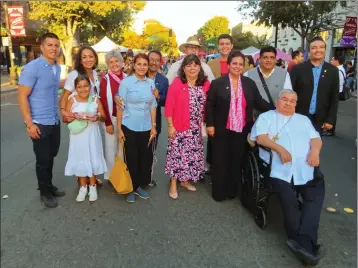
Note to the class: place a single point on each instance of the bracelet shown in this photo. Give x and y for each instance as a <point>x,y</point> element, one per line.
<point>154,124</point>
<point>170,126</point>
<point>62,109</point>
<point>30,126</point>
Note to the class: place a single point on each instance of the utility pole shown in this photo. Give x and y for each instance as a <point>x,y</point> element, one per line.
<point>276,35</point>
<point>12,68</point>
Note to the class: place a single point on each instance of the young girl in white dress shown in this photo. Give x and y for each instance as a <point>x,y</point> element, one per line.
<point>85,154</point>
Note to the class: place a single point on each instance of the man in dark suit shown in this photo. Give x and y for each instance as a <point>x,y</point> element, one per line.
<point>160,91</point>
<point>316,83</point>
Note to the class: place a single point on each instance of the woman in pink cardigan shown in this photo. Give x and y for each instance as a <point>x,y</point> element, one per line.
<point>184,110</point>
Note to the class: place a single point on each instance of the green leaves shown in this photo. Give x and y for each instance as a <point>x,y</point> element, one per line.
<point>214,27</point>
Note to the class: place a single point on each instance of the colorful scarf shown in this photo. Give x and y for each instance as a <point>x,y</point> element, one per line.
<point>236,120</point>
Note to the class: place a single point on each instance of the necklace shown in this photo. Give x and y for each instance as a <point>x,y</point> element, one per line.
<point>276,137</point>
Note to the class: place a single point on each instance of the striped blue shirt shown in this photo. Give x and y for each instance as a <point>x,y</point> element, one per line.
<point>39,75</point>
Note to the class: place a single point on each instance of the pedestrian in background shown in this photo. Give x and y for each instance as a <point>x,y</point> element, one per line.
<point>38,100</point>
<point>85,153</point>
<point>297,58</point>
<point>184,110</point>
<point>108,88</point>
<point>137,125</point>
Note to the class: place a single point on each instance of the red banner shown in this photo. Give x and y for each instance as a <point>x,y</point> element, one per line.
<point>349,32</point>
<point>16,20</point>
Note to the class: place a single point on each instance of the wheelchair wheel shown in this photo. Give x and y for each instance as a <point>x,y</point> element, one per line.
<point>260,218</point>
<point>249,187</point>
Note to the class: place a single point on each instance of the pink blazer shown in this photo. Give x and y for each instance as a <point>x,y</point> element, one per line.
<point>177,103</point>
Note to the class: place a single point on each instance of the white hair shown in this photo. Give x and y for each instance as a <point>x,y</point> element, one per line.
<point>284,91</point>
<point>114,53</point>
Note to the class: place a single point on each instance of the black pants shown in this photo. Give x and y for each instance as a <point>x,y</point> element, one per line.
<point>139,156</point>
<point>209,151</point>
<point>46,148</point>
<point>228,152</point>
<point>301,226</point>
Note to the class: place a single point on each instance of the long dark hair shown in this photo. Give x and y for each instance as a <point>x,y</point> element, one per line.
<point>78,65</point>
<point>189,59</point>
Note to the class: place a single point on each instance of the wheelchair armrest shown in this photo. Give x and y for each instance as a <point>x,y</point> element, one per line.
<point>265,148</point>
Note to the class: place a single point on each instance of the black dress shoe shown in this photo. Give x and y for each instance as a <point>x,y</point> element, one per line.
<point>56,192</point>
<point>49,201</point>
<point>303,254</point>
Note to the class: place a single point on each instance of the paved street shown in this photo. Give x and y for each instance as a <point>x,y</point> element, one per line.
<point>191,232</point>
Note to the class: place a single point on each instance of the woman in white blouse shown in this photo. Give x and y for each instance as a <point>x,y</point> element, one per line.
<point>86,63</point>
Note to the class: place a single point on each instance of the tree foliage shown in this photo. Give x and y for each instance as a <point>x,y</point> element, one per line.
<point>211,30</point>
<point>244,40</point>
<point>66,17</point>
<point>155,36</point>
<point>306,18</point>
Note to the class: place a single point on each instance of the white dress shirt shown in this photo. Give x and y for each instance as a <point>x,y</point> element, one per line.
<point>173,71</point>
<point>342,77</point>
<point>295,137</point>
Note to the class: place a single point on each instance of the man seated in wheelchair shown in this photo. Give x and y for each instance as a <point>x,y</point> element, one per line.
<point>295,146</point>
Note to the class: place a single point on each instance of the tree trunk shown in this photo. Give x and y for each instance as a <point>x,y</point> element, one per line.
<point>68,52</point>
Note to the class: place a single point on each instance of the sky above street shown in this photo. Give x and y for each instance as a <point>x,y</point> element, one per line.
<point>186,17</point>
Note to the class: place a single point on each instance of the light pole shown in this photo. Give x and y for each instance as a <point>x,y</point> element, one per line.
<point>12,68</point>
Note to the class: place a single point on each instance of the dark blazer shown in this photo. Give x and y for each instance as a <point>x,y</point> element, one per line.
<point>162,84</point>
<point>219,98</point>
<point>327,95</point>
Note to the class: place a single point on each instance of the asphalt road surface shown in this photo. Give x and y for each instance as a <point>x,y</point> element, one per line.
<point>193,231</point>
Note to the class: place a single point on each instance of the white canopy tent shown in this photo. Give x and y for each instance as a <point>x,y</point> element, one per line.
<point>250,51</point>
<point>106,45</point>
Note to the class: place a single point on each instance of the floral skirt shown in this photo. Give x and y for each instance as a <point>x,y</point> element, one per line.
<point>185,155</point>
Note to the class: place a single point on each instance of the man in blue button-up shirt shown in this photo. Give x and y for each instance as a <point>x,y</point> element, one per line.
<point>38,100</point>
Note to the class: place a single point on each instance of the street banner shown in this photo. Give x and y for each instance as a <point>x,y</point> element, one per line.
<point>349,32</point>
<point>16,20</point>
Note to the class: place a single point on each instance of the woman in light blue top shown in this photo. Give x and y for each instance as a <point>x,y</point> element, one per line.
<point>136,125</point>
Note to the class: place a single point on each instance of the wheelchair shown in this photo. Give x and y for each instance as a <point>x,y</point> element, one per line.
<point>255,187</point>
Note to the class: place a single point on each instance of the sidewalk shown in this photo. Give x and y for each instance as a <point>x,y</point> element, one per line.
<point>5,84</point>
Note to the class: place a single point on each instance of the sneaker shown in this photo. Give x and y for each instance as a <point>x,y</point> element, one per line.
<point>141,193</point>
<point>93,193</point>
<point>49,201</point>
<point>152,183</point>
<point>82,194</point>
<point>130,198</point>
<point>56,192</point>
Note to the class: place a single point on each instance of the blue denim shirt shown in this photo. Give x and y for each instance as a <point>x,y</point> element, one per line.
<point>138,102</point>
<point>316,71</point>
<point>43,99</point>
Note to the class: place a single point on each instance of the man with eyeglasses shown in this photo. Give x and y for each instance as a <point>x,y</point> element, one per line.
<point>192,46</point>
<point>160,91</point>
<point>269,78</point>
<point>295,146</point>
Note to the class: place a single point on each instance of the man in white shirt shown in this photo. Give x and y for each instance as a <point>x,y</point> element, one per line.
<point>295,146</point>
<point>338,62</point>
<point>192,46</point>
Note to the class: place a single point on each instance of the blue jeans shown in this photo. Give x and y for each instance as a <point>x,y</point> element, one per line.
<point>351,81</point>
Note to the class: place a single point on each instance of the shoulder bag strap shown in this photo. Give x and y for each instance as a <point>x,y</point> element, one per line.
<point>343,75</point>
<point>89,101</point>
<point>265,86</point>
